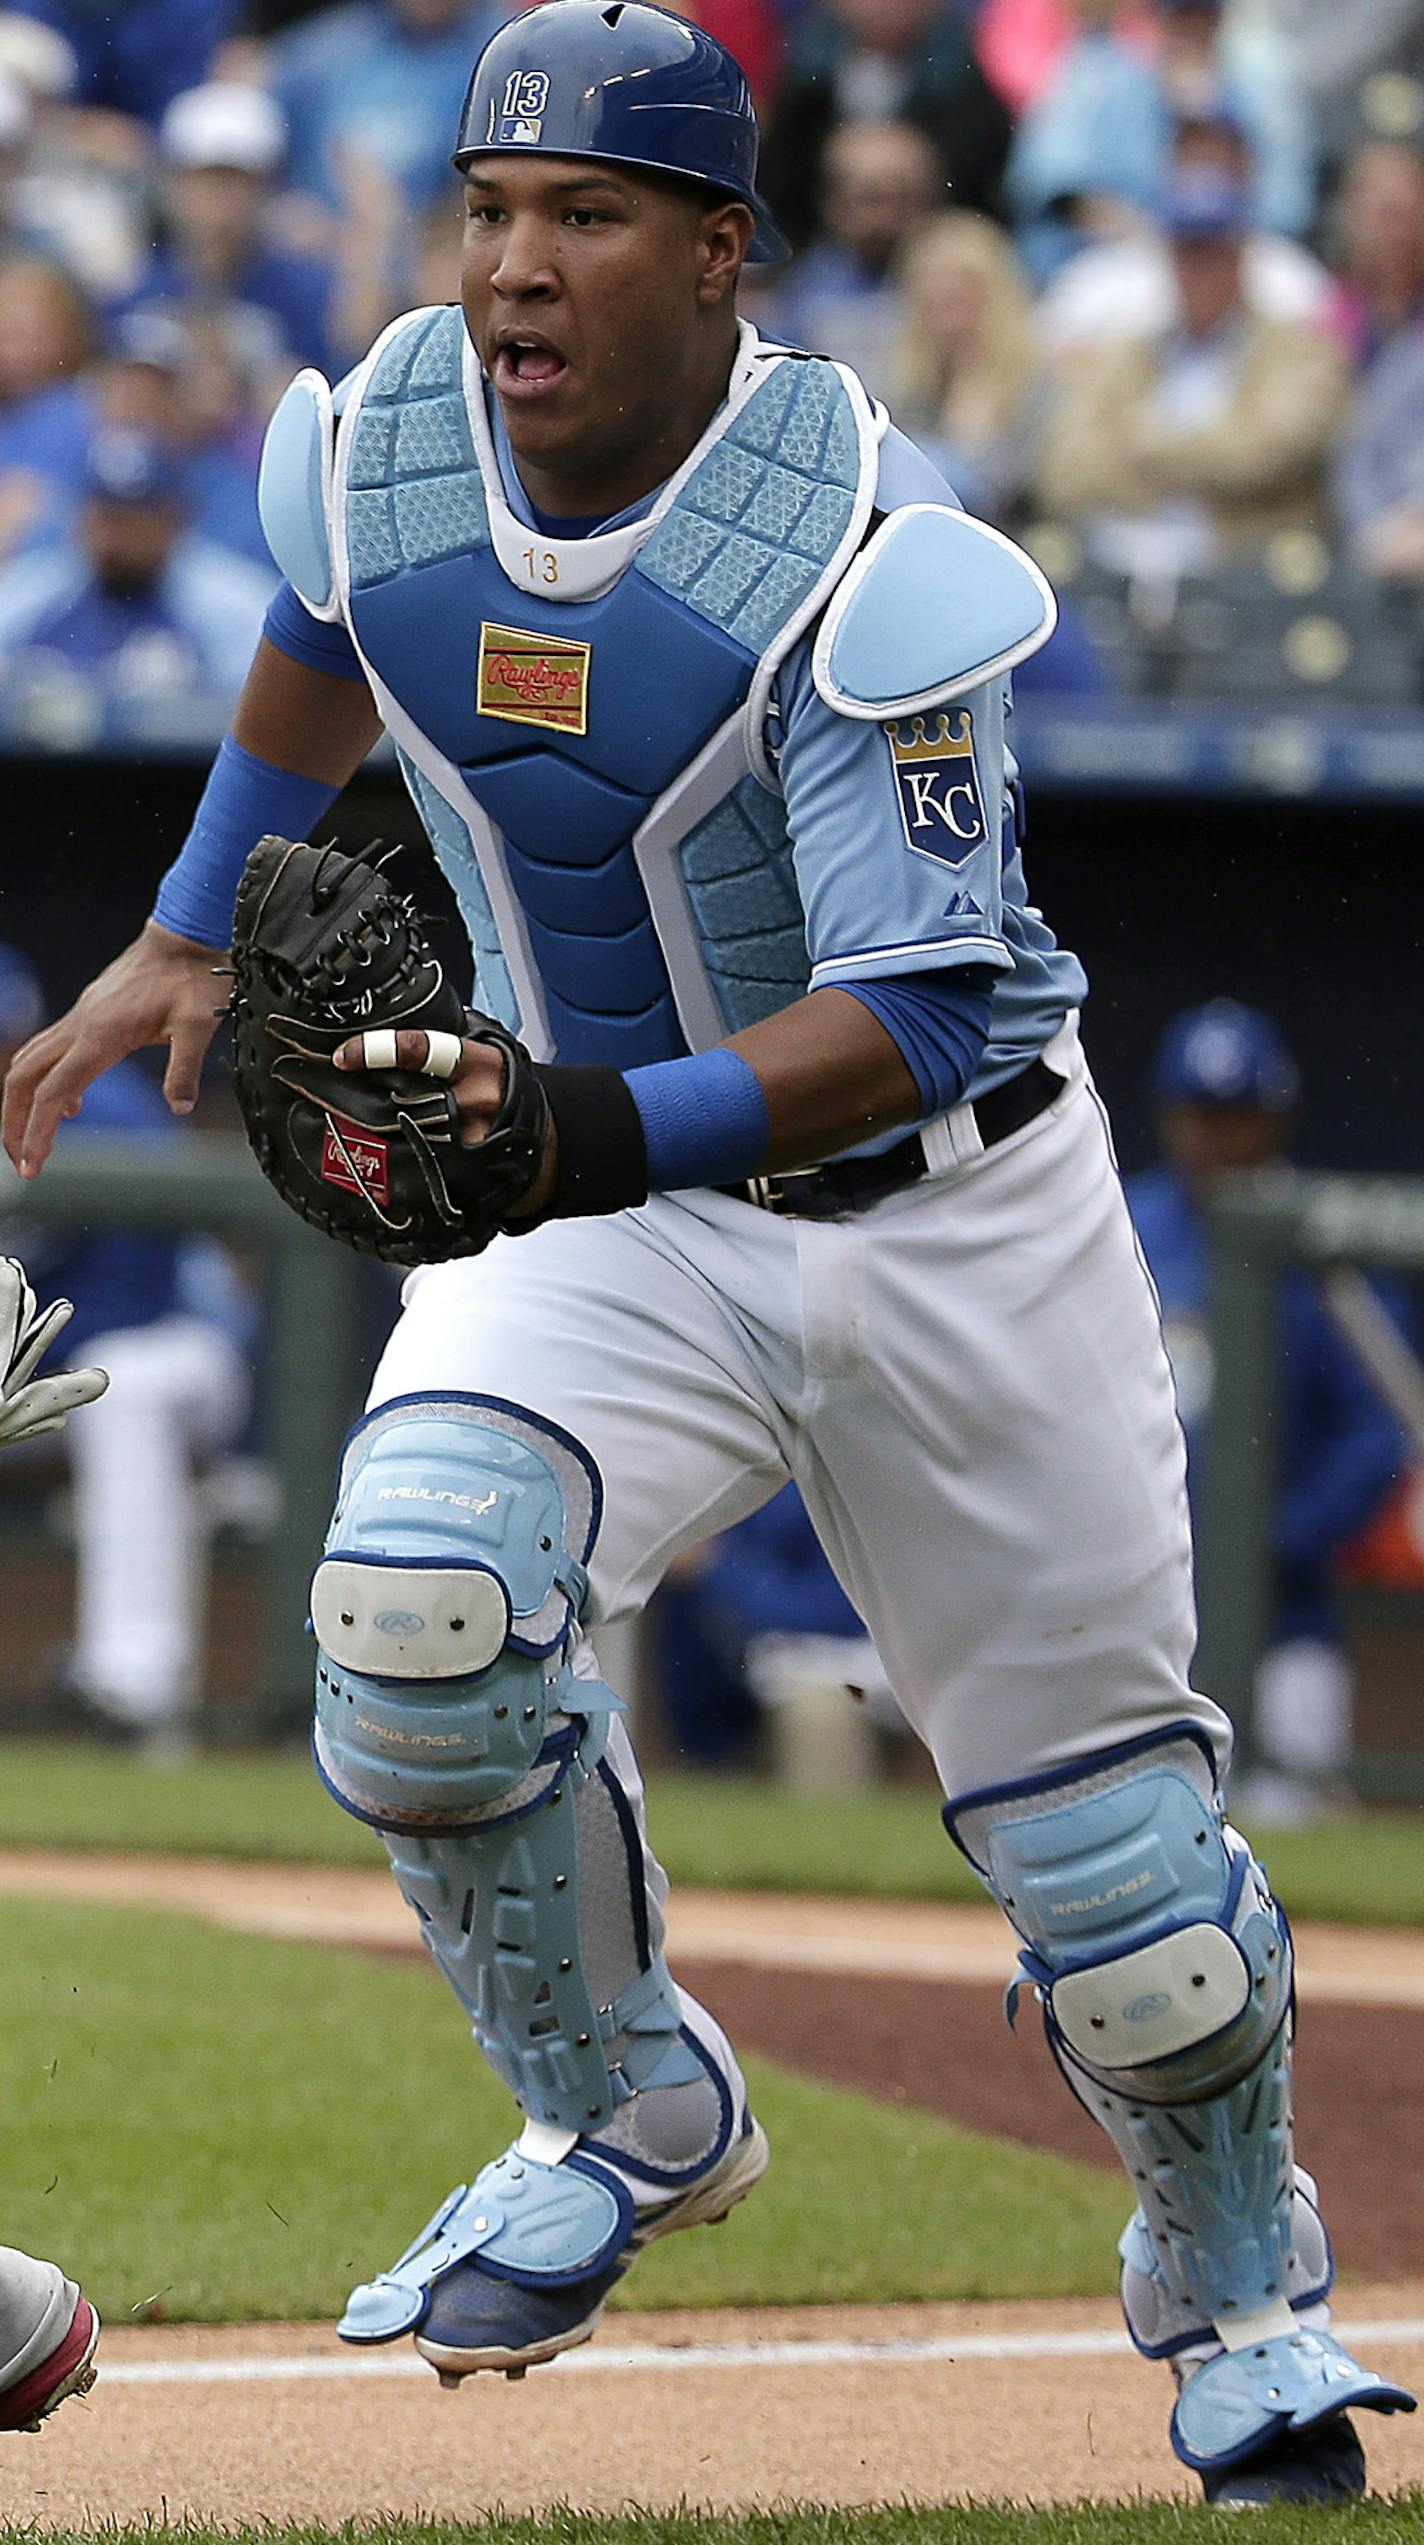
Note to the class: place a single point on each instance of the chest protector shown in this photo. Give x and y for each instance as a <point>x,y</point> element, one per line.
<point>581,723</point>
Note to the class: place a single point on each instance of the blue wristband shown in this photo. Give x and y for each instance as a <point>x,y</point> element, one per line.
<point>704,1120</point>
<point>244,799</point>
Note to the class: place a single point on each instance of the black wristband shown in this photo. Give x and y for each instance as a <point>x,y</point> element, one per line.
<point>603,1156</point>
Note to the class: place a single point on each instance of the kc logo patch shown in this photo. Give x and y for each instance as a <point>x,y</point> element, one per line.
<point>533,680</point>
<point>518,116</point>
<point>937,784</point>
<point>356,1160</point>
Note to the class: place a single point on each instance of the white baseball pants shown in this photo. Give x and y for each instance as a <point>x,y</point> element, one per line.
<point>967,1382</point>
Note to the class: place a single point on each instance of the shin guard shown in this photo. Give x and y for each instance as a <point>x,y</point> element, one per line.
<point>1163,1966</point>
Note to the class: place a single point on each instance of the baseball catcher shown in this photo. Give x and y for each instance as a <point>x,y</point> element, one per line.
<point>697,675</point>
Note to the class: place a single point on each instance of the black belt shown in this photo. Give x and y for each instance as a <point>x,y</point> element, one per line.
<point>853,1184</point>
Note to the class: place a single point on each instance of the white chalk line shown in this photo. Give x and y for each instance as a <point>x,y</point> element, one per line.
<point>649,2359</point>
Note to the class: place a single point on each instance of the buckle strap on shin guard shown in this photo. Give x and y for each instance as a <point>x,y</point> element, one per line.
<point>1162,2327</point>
<point>544,2226</point>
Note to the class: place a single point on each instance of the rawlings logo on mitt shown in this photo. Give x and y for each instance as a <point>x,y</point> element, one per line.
<point>324,949</point>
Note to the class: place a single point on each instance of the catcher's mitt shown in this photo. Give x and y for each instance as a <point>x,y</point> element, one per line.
<point>324,949</point>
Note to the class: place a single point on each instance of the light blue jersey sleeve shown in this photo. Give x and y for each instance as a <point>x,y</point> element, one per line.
<point>897,828</point>
<point>897,832</point>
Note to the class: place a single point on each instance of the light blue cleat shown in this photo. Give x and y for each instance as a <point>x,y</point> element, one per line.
<point>518,2266</point>
<point>1246,2401</point>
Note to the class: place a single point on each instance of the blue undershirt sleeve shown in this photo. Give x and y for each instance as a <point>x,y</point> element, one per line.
<point>322,645</point>
<point>705,1120</point>
<point>940,1021</point>
<point>245,799</point>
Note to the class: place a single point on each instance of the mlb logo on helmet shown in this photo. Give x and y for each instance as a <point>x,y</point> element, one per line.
<point>517,114</point>
<point>937,784</point>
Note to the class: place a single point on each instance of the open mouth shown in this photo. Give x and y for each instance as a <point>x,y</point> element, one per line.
<point>524,368</point>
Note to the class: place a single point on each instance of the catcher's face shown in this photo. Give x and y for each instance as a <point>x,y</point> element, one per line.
<point>601,303</point>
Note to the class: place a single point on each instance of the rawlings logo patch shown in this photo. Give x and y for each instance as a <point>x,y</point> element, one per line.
<point>937,785</point>
<point>533,680</point>
<point>356,1161</point>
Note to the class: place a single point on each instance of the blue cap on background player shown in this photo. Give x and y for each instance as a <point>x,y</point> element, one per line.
<point>127,467</point>
<point>1206,203</point>
<point>1225,1054</point>
<point>580,79</point>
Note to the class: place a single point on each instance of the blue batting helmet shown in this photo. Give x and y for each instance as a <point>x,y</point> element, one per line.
<point>581,79</point>
<point>1225,1054</point>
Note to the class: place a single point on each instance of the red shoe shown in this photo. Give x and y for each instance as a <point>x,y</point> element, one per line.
<point>69,2370</point>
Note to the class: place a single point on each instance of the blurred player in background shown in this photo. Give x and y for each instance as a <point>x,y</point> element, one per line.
<point>48,2330</point>
<point>1227,1091</point>
<point>698,675</point>
<point>173,1328</point>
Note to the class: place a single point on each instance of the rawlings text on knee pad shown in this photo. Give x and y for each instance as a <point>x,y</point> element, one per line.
<point>444,1608</point>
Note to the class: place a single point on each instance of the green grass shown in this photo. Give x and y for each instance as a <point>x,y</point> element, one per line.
<point>743,1834</point>
<point>1141,2523</point>
<point>236,2128</point>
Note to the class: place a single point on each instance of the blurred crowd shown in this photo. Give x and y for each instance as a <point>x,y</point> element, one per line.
<point>1146,276</point>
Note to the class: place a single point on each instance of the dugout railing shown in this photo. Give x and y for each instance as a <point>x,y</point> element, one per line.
<point>311,1370</point>
<point>1336,1227</point>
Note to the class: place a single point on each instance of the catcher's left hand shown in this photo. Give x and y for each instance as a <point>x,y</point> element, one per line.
<point>329,961</point>
<point>31,1406</point>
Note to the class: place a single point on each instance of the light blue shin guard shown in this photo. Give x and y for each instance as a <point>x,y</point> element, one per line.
<point>1163,1967</point>
<point>450,1717</point>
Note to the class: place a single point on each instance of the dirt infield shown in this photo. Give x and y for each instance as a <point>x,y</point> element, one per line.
<point>1031,2403</point>
<point>730,2411</point>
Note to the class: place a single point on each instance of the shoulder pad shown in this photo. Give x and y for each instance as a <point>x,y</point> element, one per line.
<point>294,488</point>
<point>936,604</point>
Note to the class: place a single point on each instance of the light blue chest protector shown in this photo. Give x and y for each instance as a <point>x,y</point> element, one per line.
<point>625,878</point>
<point>616,841</point>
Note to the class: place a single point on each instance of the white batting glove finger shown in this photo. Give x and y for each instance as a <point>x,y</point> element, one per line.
<point>17,1307</point>
<point>46,1324</point>
<point>46,1404</point>
<point>85,1387</point>
<point>12,1434</point>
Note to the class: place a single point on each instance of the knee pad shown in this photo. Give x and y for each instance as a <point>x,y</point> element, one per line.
<point>444,1610</point>
<point>1164,1970</point>
<point>450,1717</point>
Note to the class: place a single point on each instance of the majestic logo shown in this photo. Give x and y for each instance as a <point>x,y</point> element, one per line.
<point>941,807</point>
<point>517,118</point>
<point>398,1621</point>
<point>356,1161</point>
<point>533,680</point>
